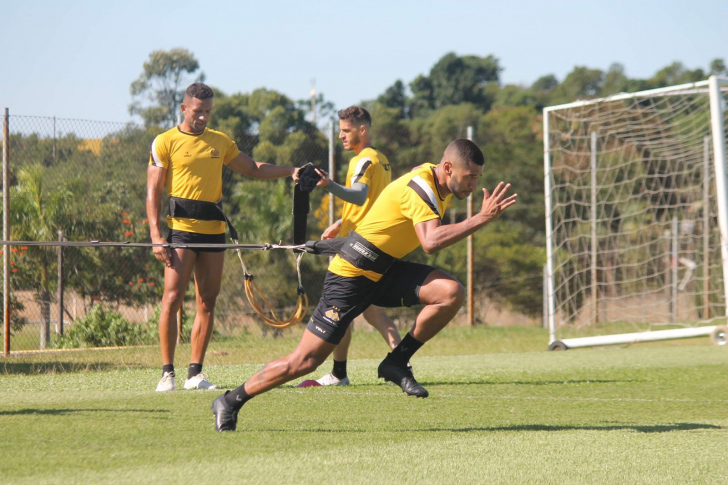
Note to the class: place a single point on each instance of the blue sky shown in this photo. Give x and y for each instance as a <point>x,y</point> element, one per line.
<point>76,59</point>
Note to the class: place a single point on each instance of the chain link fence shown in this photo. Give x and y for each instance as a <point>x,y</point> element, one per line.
<point>77,180</point>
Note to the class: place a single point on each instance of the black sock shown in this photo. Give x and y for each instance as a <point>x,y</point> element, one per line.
<point>168,368</point>
<point>237,397</point>
<point>194,370</point>
<point>405,350</point>
<point>339,369</point>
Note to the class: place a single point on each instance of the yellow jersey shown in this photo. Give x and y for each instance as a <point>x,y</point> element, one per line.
<point>369,167</point>
<point>194,171</point>
<point>390,224</point>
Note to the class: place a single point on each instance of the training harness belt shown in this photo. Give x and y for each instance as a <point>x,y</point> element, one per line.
<point>365,255</point>
<point>200,210</point>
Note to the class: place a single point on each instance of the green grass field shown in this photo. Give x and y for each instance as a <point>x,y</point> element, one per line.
<point>501,410</point>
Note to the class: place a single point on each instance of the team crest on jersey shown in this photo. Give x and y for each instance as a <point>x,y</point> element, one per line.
<point>333,314</point>
<point>214,153</point>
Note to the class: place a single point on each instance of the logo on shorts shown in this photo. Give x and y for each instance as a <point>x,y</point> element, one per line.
<point>320,329</point>
<point>333,314</point>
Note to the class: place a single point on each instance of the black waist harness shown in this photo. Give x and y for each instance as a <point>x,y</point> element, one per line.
<point>365,255</point>
<point>200,210</point>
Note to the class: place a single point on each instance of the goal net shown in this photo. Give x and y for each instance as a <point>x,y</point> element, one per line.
<point>635,214</point>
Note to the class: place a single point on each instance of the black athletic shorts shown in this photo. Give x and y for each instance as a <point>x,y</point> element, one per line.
<point>184,237</point>
<point>344,298</point>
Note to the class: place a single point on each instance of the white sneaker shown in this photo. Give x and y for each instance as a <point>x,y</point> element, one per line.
<point>331,380</point>
<point>166,383</point>
<point>199,382</point>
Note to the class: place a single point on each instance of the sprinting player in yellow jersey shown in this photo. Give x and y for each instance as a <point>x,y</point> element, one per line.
<point>187,161</point>
<point>367,271</point>
<point>369,172</point>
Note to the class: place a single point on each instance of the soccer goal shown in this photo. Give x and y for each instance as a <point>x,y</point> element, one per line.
<point>637,216</point>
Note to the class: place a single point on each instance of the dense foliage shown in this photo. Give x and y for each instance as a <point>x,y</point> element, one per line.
<point>60,184</point>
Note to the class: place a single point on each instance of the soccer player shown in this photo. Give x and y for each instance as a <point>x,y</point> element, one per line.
<point>369,172</point>
<point>188,160</point>
<point>367,270</point>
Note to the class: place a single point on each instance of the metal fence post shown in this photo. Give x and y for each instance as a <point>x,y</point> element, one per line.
<point>6,231</point>
<point>59,323</point>
<point>471,299</point>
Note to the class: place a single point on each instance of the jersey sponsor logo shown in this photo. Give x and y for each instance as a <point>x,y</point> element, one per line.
<point>386,167</point>
<point>364,251</point>
<point>332,314</point>
<point>214,153</point>
<point>188,154</point>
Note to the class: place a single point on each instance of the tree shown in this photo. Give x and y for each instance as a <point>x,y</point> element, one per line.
<point>38,213</point>
<point>454,80</point>
<point>545,83</point>
<point>162,83</point>
<point>395,97</point>
<point>717,67</point>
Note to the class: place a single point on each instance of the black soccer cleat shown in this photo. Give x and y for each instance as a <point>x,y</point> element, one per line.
<point>401,376</point>
<point>226,418</point>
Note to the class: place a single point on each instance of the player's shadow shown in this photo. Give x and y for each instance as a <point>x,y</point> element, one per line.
<point>527,383</point>
<point>59,412</point>
<point>655,428</point>
<point>33,368</point>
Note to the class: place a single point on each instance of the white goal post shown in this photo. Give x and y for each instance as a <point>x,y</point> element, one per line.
<point>637,216</point>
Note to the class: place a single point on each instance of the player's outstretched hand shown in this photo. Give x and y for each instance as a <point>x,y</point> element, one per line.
<point>325,180</point>
<point>494,204</point>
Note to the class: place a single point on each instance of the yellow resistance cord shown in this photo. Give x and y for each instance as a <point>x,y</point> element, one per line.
<point>260,303</point>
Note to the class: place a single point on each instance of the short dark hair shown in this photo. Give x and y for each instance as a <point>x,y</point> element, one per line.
<point>466,151</point>
<point>356,114</point>
<point>200,91</point>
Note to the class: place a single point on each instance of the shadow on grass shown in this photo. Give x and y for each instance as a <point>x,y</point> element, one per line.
<point>32,368</point>
<point>58,412</point>
<point>526,383</point>
<point>655,428</point>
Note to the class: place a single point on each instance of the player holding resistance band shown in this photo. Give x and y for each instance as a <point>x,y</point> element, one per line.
<point>367,271</point>
<point>188,161</point>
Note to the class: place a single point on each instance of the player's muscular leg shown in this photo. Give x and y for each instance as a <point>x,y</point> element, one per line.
<point>442,296</point>
<point>208,278</point>
<point>176,278</point>
<point>310,353</point>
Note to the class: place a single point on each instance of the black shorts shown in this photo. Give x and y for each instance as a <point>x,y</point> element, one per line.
<point>344,298</point>
<point>184,237</point>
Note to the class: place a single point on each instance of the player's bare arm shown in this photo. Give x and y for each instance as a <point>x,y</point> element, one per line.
<point>265,171</point>
<point>434,236</point>
<point>156,178</point>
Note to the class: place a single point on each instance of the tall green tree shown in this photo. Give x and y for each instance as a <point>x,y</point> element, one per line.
<point>38,214</point>
<point>159,89</point>
<point>453,80</point>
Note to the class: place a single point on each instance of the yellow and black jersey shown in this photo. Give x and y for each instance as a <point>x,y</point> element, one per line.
<point>194,171</point>
<point>390,224</point>
<point>369,167</point>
